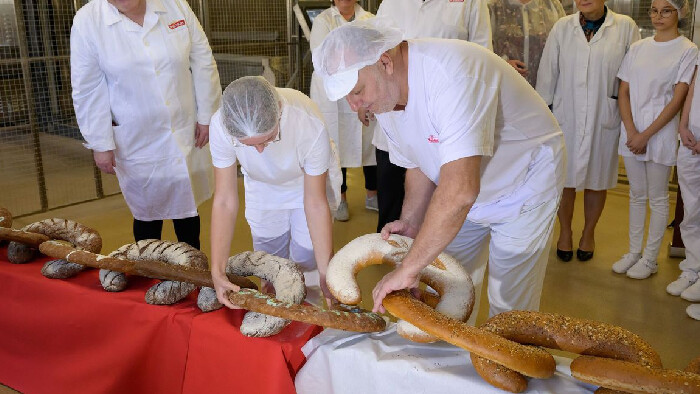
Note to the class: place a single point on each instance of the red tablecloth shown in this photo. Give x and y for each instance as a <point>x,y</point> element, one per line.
<point>70,336</point>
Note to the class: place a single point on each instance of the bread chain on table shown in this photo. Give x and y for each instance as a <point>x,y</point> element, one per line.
<point>563,333</point>
<point>632,377</point>
<point>528,360</point>
<point>248,298</point>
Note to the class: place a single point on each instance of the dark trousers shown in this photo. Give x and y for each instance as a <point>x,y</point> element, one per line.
<point>370,178</point>
<point>187,230</point>
<point>390,189</point>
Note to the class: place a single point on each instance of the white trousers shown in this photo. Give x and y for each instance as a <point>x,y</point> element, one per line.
<point>688,167</point>
<point>648,181</point>
<point>517,257</point>
<point>285,233</point>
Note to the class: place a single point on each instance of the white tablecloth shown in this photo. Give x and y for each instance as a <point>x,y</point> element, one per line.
<point>385,363</point>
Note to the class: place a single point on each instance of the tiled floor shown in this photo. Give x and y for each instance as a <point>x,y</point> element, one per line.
<point>587,290</point>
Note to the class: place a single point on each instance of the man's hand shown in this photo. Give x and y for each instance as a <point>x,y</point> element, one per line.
<point>364,116</point>
<point>105,161</point>
<point>400,227</point>
<point>519,67</point>
<point>637,144</point>
<point>400,278</point>
<point>201,135</point>
<point>222,286</point>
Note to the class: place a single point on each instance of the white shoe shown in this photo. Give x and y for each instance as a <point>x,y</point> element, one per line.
<point>692,293</point>
<point>685,280</point>
<point>693,311</point>
<point>642,269</point>
<point>342,214</point>
<point>626,262</point>
<point>371,203</point>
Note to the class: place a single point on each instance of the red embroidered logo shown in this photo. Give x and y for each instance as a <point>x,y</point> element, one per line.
<point>181,22</point>
<point>433,139</point>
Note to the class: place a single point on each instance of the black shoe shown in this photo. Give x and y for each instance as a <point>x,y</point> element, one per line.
<point>565,255</point>
<point>583,255</point>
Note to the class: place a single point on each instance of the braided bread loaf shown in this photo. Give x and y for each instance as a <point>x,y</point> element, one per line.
<point>175,253</point>
<point>284,275</point>
<point>83,237</point>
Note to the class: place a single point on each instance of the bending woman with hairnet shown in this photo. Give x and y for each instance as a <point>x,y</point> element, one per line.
<point>655,76</point>
<point>279,138</point>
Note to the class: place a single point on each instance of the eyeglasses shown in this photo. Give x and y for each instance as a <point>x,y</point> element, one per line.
<point>665,13</point>
<point>238,144</point>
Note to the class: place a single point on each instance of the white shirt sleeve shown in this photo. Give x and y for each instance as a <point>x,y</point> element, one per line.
<point>223,153</point>
<point>90,92</point>
<point>464,112</point>
<point>548,72</point>
<point>317,158</point>
<point>207,87</point>
<point>480,24</point>
<point>624,73</point>
<point>687,65</point>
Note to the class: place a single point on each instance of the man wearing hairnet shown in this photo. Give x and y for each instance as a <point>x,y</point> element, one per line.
<point>279,138</point>
<point>483,153</point>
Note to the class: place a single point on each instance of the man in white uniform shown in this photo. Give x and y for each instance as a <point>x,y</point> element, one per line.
<point>464,20</point>
<point>483,153</point>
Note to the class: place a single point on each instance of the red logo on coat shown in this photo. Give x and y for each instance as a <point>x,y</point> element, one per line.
<point>433,139</point>
<point>181,22</point>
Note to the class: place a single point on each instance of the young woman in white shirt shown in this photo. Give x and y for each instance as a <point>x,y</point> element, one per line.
<point>655,76</point>
<point>279,139</point>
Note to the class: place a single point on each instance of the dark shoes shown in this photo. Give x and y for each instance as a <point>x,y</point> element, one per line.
<point>565,255</point>
<point>583,255</point>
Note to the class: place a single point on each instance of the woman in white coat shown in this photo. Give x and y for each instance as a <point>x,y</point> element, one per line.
<point>279,138</point>
<point>520,30</point>
<point>577,78</point>
<point>655,76</point>
<point>145,86</point>
<point>353,139</point>
<point>688,166</point>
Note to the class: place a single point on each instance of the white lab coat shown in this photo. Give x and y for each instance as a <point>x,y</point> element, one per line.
<point>139,91</point>
<point>652,70</point>
<point>352,138</point>
<point>520,30</point>
<point>464,20</point>
<point>578,78</point>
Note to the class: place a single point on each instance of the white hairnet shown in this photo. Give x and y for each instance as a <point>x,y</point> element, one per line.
<point>682,7</point>
<point>349,48</point>
<point>250,107</point>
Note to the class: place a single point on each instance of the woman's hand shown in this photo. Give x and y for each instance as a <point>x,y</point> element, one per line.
<point>637,143</point>
<point>519,67</point>
<point>687,137</point>
<point>105,161</point>
<point>201,135</point>
<point>222,286</point>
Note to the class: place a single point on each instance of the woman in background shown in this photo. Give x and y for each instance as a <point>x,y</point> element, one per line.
<point>655,76</point>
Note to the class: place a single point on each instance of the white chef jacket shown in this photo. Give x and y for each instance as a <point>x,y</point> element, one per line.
<point>465,101</point>
<point>465,20</point>
<point>520,30</point>
<point>694,116</point>
<point>352,138</point>
<point>274,179</point>
<point>139,91</point>
<point>652,70</point>
<point>578,78</point>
